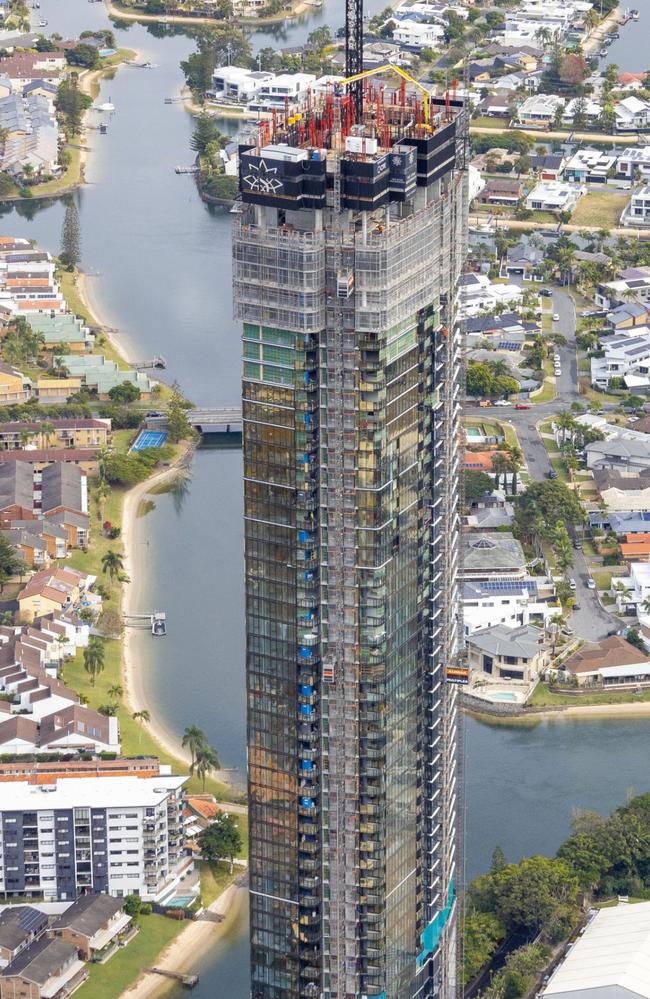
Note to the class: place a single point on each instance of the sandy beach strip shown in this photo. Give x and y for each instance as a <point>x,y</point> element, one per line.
<point>192,942</point>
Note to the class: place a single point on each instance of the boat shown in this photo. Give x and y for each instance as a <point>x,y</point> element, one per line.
<point>634,14</point>
<point>42,23</point>
<point>603,52</point>
<point>103,128</point>
<point>107,106</point>
<point>158,628</point>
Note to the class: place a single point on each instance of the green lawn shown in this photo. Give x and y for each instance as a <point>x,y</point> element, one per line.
<point>484,121</point>
<point>561,469</point>
<point>603,577</point>
<point>215,878</point>
<point>543,697</point>
<point>600,208</point>
<point>106,981</point>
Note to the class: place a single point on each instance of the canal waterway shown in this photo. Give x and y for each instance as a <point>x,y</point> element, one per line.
<point>163,265</point>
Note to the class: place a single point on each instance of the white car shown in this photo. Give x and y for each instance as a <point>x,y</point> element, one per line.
<point>572,584</point>
<point>556,317</point>
<point>503,402</point>
<point>591,584</point>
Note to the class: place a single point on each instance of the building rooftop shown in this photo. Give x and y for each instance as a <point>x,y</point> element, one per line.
<point>88,914</point>
<point>18,923</point>
<point>41,960</point>
<point>522,643</point>
<point>492,552</point>
<point>95,792</point>
<point>612,651</point>
<point>611,958</point>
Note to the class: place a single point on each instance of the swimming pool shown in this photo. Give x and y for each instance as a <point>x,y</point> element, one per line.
<point>150,438</point>
<point>504,695</point>
<point>473,432</point>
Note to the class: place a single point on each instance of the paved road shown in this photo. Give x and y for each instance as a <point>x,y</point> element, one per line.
<point>591,621</point>
<point>503,222</point>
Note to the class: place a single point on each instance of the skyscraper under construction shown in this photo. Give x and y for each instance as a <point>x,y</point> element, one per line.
<point>347,257</point>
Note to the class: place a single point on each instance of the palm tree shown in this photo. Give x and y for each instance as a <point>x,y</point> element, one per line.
<point>566,422</point>
<point>195,739</point>
<point>25,436</point>
<point>646,605</point>
<point>47,429</point>
<point>113,565</point>
<point>103,492</point>
<point>116,691</point>
<point>94,657</point>
<point>206,761</point>
<point>500,466</point>
<point>143,717</point>
<point>514,459</point>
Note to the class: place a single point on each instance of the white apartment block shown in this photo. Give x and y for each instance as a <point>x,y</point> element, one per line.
<point>120,835</point>
<point>637,210</point>
<point>626,357</point>
<point>513,604</point>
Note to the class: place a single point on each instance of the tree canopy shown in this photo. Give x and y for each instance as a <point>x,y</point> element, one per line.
<point>486,380</point>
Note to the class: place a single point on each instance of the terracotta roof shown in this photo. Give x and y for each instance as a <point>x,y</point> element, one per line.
<point>612,651</point>
<point>53,454</point>
<point>203,805</point>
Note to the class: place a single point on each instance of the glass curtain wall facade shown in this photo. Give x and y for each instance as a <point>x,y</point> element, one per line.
<point>350,409</point>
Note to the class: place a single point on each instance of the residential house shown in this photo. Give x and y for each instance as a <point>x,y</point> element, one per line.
<point>553,196</point>
<point>635,548</point>
<point>631,281</point>
<point>490,512</point>
<point>495,106</point>
<point>202,810</point>
<point>513,603</point>
<point>15,388</point>
<point>624,491</point>
<point>67,433</point>
<point>45,969</point>
<point>589,166</point>
<point>523,260</point>
<point>632,114</point>
<point>637,210</point>
<point>625,357</point>
<point>503,327</point>
<point>611,662</point>
<point>30,545</point>
<point>94,924</point>
<point>416,36</point>
<point>618,454</point>
<point>625,317</point>
<point>233,83</point>
<point>633,591</point>
<point>20,925</point>
<point>56,590</point>
<point>492,556</point>
<point>479,294</point>
<point>16,493</point>
<point>590,109</point>
<point>76,525</point>
<point>630,523</point>
<point>502,191</point>
<point>539,109</point>
<point>508,653</point>
<point>633,162</point>
<point>548,166</point>
<point>101,375</point>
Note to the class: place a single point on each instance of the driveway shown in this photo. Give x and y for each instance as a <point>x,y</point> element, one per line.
<point>592,621</point>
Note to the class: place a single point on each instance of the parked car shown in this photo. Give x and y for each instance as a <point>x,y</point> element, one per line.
<point>503,402</point>
<point>572,584</point>
<point>591,583</point>
<point>556,317</point>
<point>545,292</point>
<point>523,405</point>
<point>577,545</point>
<point>552,474</point>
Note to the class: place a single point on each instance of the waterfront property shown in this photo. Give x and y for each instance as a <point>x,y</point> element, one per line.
<point>94,924</point>
<point>553,196</point>
<point>637,211</point>
<point>44,969</point>
<point>347,294</point>
<point>612,662</point>
<point>513,603</point>
<point>56,590</point>
<point>508,653</point>
<point>118,834</point>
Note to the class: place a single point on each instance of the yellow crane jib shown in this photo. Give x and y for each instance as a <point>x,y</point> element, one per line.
<point>391,67</point>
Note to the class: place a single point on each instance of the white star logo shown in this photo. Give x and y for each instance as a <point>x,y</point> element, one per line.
<point>263,179</point>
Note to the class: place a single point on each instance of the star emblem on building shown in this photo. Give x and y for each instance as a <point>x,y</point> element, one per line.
<point>263,178</point>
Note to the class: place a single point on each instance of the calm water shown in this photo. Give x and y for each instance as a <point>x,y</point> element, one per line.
<point>630,51</point>
<point>164,278</point>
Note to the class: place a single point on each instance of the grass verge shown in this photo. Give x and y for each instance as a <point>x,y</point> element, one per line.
<point>600,208</point>
<point>543,697</point>
<point>106,981</point>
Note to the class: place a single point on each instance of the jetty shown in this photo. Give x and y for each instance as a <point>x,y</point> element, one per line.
<point>156,621</point>
<point>154,362</point>
<point>186,169</point>
<point>189,981</point>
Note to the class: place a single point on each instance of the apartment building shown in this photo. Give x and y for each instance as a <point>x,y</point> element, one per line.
<point>120,835</point>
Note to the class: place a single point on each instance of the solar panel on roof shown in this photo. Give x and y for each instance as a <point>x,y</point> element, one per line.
<point>30,919</point>
<point>508,345</point>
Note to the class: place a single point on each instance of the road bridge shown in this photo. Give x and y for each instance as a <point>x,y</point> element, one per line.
<point>217,420</point>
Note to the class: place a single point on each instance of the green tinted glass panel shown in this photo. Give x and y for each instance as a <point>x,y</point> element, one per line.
<point>277,355</point>
<point>251,332</point>
<point>251,370</point>
<point>252,350</point>
<point>271,334</point>
<point>279,376</point>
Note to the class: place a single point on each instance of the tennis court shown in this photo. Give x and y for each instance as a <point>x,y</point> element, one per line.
<point>149,438</point>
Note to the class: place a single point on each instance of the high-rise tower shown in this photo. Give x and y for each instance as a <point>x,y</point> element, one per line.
<point>347,257</point>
